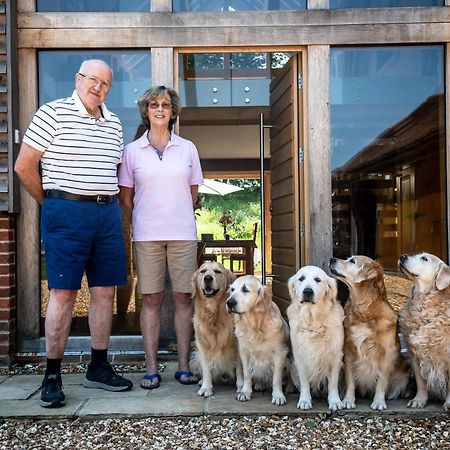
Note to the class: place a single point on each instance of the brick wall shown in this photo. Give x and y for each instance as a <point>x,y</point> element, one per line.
<point>7,289</point>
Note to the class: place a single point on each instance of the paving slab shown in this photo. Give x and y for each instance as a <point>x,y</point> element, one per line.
<point>23,380</point>
<point>17,392</point>
<point>142,407</point>
<point>26,409</point>
<point>224,402</point>
<point>20,394</point>
<point>73,392</point>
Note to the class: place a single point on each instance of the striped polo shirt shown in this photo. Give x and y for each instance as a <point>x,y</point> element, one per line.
<point>80,152</point>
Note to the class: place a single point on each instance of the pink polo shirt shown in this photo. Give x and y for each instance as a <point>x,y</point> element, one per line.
<point>162,201</point>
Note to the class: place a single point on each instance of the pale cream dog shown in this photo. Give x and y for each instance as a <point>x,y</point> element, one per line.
<point>217,355</point>
<point>317,335</point>
<point>425,324</point>
<point>263,338</point>
<point>373,362</point>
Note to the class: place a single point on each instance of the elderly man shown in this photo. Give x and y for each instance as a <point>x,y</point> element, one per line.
<point>79,144</point>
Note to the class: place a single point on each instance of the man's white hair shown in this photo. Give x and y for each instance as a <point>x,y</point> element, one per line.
<point>88,61</point>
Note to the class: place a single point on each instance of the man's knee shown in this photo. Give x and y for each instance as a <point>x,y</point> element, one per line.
<point>63,295</point>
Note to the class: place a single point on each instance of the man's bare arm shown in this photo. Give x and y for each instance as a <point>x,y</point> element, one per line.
<point>126,200</point>
<point>27,169</point>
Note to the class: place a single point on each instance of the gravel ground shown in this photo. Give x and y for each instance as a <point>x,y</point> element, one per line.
<point>207,433</point>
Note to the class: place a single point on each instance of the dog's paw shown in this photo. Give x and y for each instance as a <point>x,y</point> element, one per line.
<point>417,402</point>
<point>348,403</point>
<point>304,404</point>
<point>205,391</point>
<point>243,396</point>
<point>335,405</point>
<point>378,405</point>
<point>278,399</point>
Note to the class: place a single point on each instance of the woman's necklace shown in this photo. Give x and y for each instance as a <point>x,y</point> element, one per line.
<point>157,149</point>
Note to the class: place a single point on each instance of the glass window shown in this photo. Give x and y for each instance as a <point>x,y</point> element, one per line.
<point>132,77</point>
<point>388,137</point>
<point>337,4</point>
<point>236,5</point>
<point>90,6</point>
<point>228,79</point>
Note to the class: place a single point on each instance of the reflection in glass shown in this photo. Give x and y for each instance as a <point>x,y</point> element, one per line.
<point>236,5</point>
<point>93,6</point>
<point>336,4</point>
<point>132,77</point>
<point>228,79</point>
<point>388,135</point>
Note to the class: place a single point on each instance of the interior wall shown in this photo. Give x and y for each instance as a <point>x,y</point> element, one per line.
<point>226,141</point>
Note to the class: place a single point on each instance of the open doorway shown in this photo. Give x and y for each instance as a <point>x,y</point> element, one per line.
<point>242,111</point>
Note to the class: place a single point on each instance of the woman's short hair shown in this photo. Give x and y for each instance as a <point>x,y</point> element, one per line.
<point>152,94</point>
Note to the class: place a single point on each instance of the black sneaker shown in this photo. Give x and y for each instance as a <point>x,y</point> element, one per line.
<point>52,395</point>
<point>105,377</point>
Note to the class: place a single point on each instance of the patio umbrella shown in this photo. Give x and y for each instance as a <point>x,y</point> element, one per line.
<point>217,188</point>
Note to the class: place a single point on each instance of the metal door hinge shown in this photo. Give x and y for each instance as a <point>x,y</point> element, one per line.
<point>16,137</point>
<point>301,155</point>
<point>302,230</point>
<point>300,81</point>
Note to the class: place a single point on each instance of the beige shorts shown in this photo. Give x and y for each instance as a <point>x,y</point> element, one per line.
<point>151,259</point>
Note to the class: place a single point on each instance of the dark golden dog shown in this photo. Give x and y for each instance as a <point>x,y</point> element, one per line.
<point>373,362</point>
<point>217,354</point>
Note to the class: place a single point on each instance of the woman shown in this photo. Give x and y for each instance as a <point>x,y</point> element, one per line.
<point>159,179</point>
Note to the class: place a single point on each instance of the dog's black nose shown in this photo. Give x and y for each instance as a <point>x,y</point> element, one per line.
<point>231,303</point>
<point>208,279</point>
<point>308,294</point>
<point>403,258</point>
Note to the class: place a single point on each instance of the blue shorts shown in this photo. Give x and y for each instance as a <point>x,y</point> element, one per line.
<point>83,237</point>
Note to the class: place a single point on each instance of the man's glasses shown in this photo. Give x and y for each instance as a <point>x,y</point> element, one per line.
<point>156,105</point>
<point>94,81</point>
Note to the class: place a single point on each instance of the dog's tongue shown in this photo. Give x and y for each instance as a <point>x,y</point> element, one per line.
<point>208,291</point>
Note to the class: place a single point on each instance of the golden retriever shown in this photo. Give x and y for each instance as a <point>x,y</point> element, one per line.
<point>425,324</point>
<point>263,338</point>
<point>373,362</point>
<point>217,356</point>
<point>317,334</point>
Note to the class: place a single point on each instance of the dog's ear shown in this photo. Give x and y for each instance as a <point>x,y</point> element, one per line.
<point>332,289</point>
<point>443,277</point>
<point>231,276</point>
<point>291,286</point>
<point>369,271</point>
<point>262,299</point>
<point>195,289</point>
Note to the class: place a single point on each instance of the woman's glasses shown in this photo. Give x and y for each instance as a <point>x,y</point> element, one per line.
<point>163,105</point>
